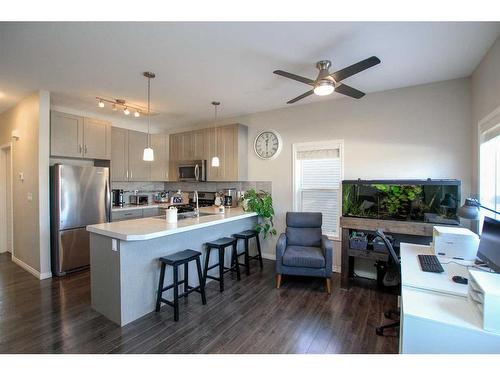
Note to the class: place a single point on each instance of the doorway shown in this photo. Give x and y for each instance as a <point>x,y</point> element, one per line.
<point>6,222</point>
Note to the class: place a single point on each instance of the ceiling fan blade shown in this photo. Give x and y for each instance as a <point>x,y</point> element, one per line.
<point>355,68</point>
<point>304,95</point>
<point>295,77</point>
<point>349,91</point>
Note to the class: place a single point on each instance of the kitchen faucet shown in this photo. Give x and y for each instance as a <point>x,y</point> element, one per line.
<point>195,199</point>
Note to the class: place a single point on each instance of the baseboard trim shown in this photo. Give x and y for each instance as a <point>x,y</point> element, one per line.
<point>34,272</point>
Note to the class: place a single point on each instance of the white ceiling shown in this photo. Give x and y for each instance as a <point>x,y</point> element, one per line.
<point>196,63</point>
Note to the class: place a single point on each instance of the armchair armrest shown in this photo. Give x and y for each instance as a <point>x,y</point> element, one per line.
<point>327,247</point>
<point>280,250</point>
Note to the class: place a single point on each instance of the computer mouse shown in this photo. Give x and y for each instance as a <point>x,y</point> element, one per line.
<point>460,279</point>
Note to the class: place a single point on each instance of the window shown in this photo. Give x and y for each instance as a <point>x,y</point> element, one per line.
<point>489,172</point>
<point>318,173</point>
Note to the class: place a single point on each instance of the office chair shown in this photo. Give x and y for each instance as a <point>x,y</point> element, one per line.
<point>391,314</point>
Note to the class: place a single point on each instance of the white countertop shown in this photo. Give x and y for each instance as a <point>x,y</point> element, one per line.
<point>154,227</point>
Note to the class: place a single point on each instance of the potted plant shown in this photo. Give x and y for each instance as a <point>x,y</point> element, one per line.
<point>261,203</point>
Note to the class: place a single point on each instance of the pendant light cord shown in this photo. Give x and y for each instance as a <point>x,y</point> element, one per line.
<point>149,111</point>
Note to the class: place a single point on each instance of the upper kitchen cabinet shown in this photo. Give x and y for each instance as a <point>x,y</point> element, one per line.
<point>159,167</point>
<point>79,137</point>
<point>229,143</point>
<point>119,154</point>
<point>127,148</point>
<point>139,170</point>
<point>97,139</point>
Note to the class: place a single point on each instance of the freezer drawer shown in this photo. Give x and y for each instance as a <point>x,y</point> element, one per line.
<point>74,251</point>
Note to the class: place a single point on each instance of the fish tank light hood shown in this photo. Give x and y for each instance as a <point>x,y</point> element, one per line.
<point>426,200</point>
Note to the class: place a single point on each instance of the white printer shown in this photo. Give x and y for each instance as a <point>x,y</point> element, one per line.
<point>455,242</point>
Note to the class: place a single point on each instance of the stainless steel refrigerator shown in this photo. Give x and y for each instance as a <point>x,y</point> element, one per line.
<point>80,196</point>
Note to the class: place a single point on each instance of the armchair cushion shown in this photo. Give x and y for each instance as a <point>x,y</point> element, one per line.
<point>304,256</point>
<point>304,228</point>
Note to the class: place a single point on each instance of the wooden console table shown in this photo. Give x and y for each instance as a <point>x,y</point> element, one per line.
<point>361,224</point>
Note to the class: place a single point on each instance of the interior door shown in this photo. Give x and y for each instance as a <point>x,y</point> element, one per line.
<point>139,170</point>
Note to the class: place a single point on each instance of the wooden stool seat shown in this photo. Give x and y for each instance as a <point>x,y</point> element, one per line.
<point>180,257</point>
<point>224,242</point>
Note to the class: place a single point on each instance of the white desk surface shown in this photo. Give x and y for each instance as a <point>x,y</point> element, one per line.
<point>413,276</point>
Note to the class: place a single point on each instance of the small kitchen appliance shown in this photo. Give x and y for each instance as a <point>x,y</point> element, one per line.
<point>230,199</point>
<point>118,200</point>
<point>139,200</point>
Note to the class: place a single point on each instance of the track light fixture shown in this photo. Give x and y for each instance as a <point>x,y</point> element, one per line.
<point>125,106</point>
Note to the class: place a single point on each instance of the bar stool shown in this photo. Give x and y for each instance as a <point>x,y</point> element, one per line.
<point>221,245</point>
<point>246,236</point>
<point>175,260</point>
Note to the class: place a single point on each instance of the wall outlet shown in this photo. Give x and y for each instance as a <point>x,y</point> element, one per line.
<point>30,197</point>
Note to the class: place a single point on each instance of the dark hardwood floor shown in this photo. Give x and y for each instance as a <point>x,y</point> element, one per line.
<point>251,316</point>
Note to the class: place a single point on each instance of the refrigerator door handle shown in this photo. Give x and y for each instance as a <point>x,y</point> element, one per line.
<point>108,202</point>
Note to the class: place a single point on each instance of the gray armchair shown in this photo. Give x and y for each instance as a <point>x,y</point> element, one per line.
<point>303,250</point>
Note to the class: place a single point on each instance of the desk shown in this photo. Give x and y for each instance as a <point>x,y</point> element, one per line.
<point>436,316</point>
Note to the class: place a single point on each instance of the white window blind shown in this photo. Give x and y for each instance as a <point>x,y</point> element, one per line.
<point>489,171</point>
<point>318,177</point>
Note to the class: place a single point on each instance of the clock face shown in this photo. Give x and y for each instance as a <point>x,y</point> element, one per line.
<point>267,145</point>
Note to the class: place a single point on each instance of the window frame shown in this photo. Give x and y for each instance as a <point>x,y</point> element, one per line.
<point>317,145</point>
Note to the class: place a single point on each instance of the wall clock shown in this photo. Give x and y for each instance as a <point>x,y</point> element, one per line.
<point>267,144</point>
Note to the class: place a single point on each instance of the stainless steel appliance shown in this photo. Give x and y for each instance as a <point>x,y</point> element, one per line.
<point>205,198</point>
<point>80,196</point>
<point>118,200</point>
<point>195,170</point>
<point>139,199</point>
<point>230,199</point>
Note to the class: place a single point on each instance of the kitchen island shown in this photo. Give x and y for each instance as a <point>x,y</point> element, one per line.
<point>124,255</point>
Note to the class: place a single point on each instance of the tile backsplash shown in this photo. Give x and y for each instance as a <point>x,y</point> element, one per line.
<point>149,188</point>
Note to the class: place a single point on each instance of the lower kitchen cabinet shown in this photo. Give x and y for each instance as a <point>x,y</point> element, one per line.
<point>136,213</point>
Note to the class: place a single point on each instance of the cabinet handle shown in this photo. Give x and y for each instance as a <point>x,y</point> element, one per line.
<point>130,174</point>
<point>79,149</point>
<point>127,174</point>
<point>85,148</point>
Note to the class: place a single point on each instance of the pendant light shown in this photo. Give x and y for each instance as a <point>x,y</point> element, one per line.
<point>148,154</point>
<point>215,159</point>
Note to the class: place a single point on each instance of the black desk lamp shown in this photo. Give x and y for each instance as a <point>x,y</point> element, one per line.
<point>470,209</point>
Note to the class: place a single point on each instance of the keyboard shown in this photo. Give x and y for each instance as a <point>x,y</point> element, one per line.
<point>430,263</point>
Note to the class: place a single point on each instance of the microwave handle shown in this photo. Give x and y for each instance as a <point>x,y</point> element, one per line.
<point>197,172</point>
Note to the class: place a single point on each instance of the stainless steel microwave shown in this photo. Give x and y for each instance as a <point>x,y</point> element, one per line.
<point>193,170</point>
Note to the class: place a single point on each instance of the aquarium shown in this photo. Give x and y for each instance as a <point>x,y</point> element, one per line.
<point>431,201</point>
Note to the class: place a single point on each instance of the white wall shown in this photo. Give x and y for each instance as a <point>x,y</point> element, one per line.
<point>485,84</point>
<point>416,132</point>
<point>30,155</point>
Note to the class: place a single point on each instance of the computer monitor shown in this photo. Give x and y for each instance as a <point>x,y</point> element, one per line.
<point>489,245</point>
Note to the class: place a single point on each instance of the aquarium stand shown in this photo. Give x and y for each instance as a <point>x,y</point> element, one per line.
<point>349,224</point>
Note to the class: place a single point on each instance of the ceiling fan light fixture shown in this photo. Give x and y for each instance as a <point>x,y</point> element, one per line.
<point>324,88</point>
<point>126,111</point>
<point>100,104</point>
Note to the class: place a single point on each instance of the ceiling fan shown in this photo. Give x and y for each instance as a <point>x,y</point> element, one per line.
<point>327,82</point>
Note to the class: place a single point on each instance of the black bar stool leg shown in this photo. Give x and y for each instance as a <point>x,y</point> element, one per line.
<point>186,278</point>
<point>160,287</point>
<point>259,251</point>
<point>176,293</point>
<point>247,257</point>
<point>207,260</point>
<point>200,278</point>
<point>221,269</point>
<point>236,263</point>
